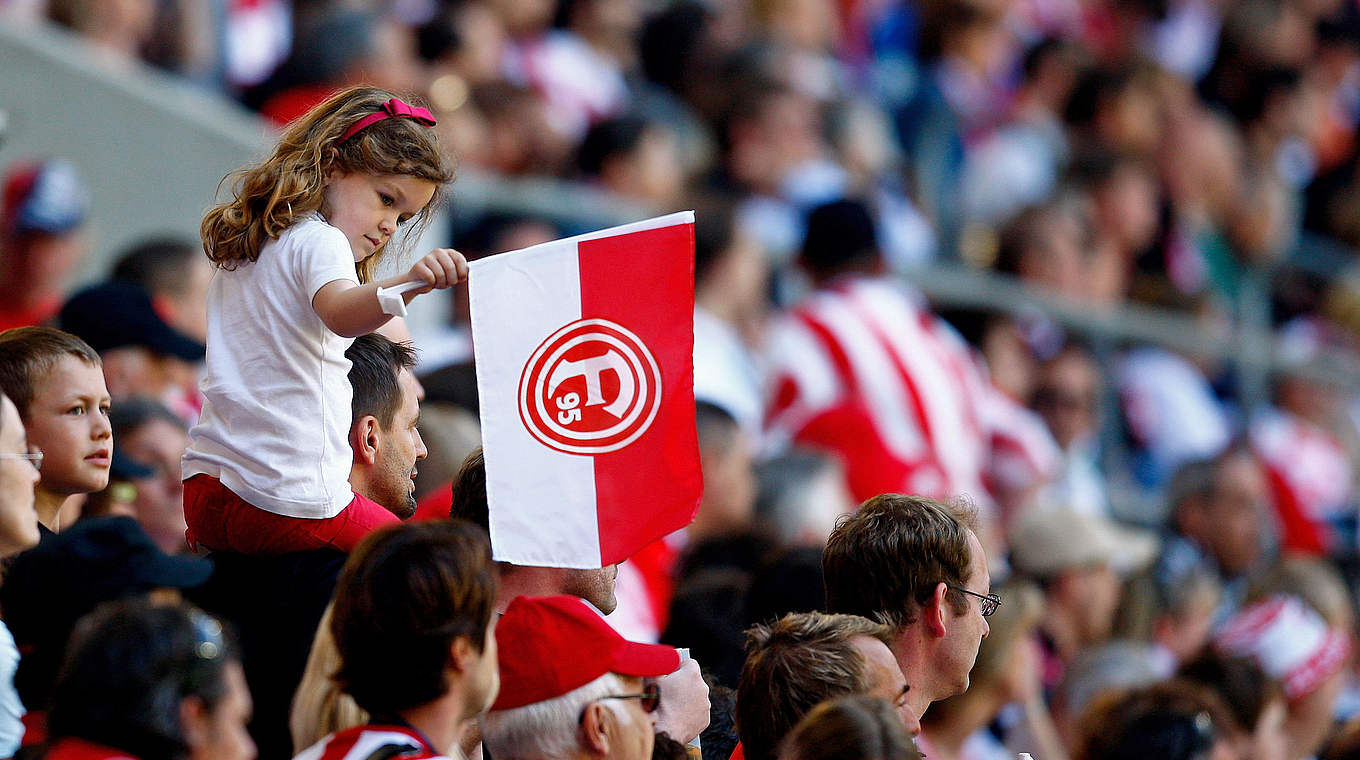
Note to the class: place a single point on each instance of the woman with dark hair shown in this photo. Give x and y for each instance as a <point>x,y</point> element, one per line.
<point>150,681</point>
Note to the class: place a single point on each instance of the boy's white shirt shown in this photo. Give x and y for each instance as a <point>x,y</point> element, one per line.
<point>276,414</point>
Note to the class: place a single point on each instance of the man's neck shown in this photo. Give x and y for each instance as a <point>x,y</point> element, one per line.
<point>527,581</point>
<point>911,654</point>
<point>48,506</point>
<point>441,721</point>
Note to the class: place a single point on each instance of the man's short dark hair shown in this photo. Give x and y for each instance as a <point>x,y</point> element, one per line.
<point>159,265</point>
<point>376,363</point>
<point>840,238</point>
<point>718,429</point>
<point>885,560</point>
<point>792,665</point>
<point>405,594</point>
<point>27,354</point>
<point>469,492</point>
<point>129,415</point>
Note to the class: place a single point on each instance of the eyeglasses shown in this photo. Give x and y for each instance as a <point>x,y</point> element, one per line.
<point>989,601</point>
<point>35,458</point>
<point>650,699</point>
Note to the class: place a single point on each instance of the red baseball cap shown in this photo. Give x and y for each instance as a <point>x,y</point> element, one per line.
<point>550,645</point>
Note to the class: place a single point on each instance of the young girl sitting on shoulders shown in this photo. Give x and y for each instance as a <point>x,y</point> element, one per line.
<point>267,468</point>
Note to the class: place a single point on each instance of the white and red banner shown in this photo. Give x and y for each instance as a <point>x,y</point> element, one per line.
<point>585,374</point>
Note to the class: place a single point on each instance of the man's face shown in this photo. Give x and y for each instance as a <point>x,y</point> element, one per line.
<point>965,632</point>
<point>637,727</point>
<point>399,449</point>
<point>68,419</point>
<point>1097,601</point>
<point>158,444</point>
<point>1236,510</point>
<point>594,586</point>
<point>885,678</point>
<point>18,520</point>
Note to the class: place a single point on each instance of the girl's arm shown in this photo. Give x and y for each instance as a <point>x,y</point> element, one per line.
<point>352,310</point>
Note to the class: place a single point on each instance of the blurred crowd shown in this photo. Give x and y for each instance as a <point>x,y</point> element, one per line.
<point>1141,513</point>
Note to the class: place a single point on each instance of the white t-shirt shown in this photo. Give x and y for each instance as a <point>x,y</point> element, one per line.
<point>276,409</point>
<point>11,707</point>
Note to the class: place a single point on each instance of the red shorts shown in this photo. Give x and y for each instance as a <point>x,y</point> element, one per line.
<point>220,520</point>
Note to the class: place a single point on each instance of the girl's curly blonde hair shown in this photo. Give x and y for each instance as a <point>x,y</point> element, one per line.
<point>269,197</point>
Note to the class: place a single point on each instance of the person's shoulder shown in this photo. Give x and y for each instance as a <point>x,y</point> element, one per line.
<point>311,229</point>
<point>371,742</point>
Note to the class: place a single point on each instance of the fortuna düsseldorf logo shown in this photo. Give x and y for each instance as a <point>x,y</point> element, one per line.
<point>592,387</point>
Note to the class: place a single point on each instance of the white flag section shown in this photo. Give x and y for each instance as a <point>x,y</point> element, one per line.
<point>585,377</point>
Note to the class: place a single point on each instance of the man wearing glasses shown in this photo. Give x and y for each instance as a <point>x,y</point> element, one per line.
<point>916,565</point>
<point>571,687</point>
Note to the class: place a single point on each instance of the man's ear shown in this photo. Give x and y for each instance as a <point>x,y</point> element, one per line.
<point>363,438</point>
<point>193,717</point>
<point>597,729</point>
<point>934,612</point>
<point>462,655</point>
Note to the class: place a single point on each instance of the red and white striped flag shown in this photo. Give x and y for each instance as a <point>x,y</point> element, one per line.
<point>585,373</point>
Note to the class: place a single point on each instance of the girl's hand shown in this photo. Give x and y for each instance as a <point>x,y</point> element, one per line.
<point>439,269</point>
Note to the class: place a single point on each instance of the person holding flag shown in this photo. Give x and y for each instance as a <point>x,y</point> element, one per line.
<point>295,249</point>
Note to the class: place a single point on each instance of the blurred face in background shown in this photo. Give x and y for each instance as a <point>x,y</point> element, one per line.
<point>159,506</point>
<point>1067,396</point>
<point>1236,512</point>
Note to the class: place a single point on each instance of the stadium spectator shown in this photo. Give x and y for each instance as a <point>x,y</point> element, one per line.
<point>383,425</point>
<point>151,681</point>
<point>1077,558</point>
<point>1255,701</point>
<point>151,439</point>
<point>635,159</point>
<point>1068,396</point>
<point>279,622</point>
<point>856,727</point>
<point>1117,666</point>
<point>176,274</point>
<point>55,381</point>
<point>42,238</point>
<point>931,586</point>
<point>1176,720</point>
<point>731,275</point>
<point>51,586</point>
<point>802,494</point>
<point>572,687</point>
<point>729,501</point>
<point>413,625</point>
<point>683,691</point>
<point>803,659</point>
<point>1008,672</point>
<point>18,531</point>
<point>594,586</point>
<point>142,355</point>
<point>1295,646</point>
<point>1218,521</point>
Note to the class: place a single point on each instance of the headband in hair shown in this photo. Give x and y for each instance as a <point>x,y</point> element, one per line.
<point>394,108</point>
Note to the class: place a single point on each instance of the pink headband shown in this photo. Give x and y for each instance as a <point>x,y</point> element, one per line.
<point>392,109</point>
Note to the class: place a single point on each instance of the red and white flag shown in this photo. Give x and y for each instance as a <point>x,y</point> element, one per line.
<point>585,373</point>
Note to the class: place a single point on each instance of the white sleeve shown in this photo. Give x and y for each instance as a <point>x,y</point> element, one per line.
<point>321,254</point>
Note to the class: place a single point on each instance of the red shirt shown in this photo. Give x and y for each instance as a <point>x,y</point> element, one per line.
<point>70,748</point>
